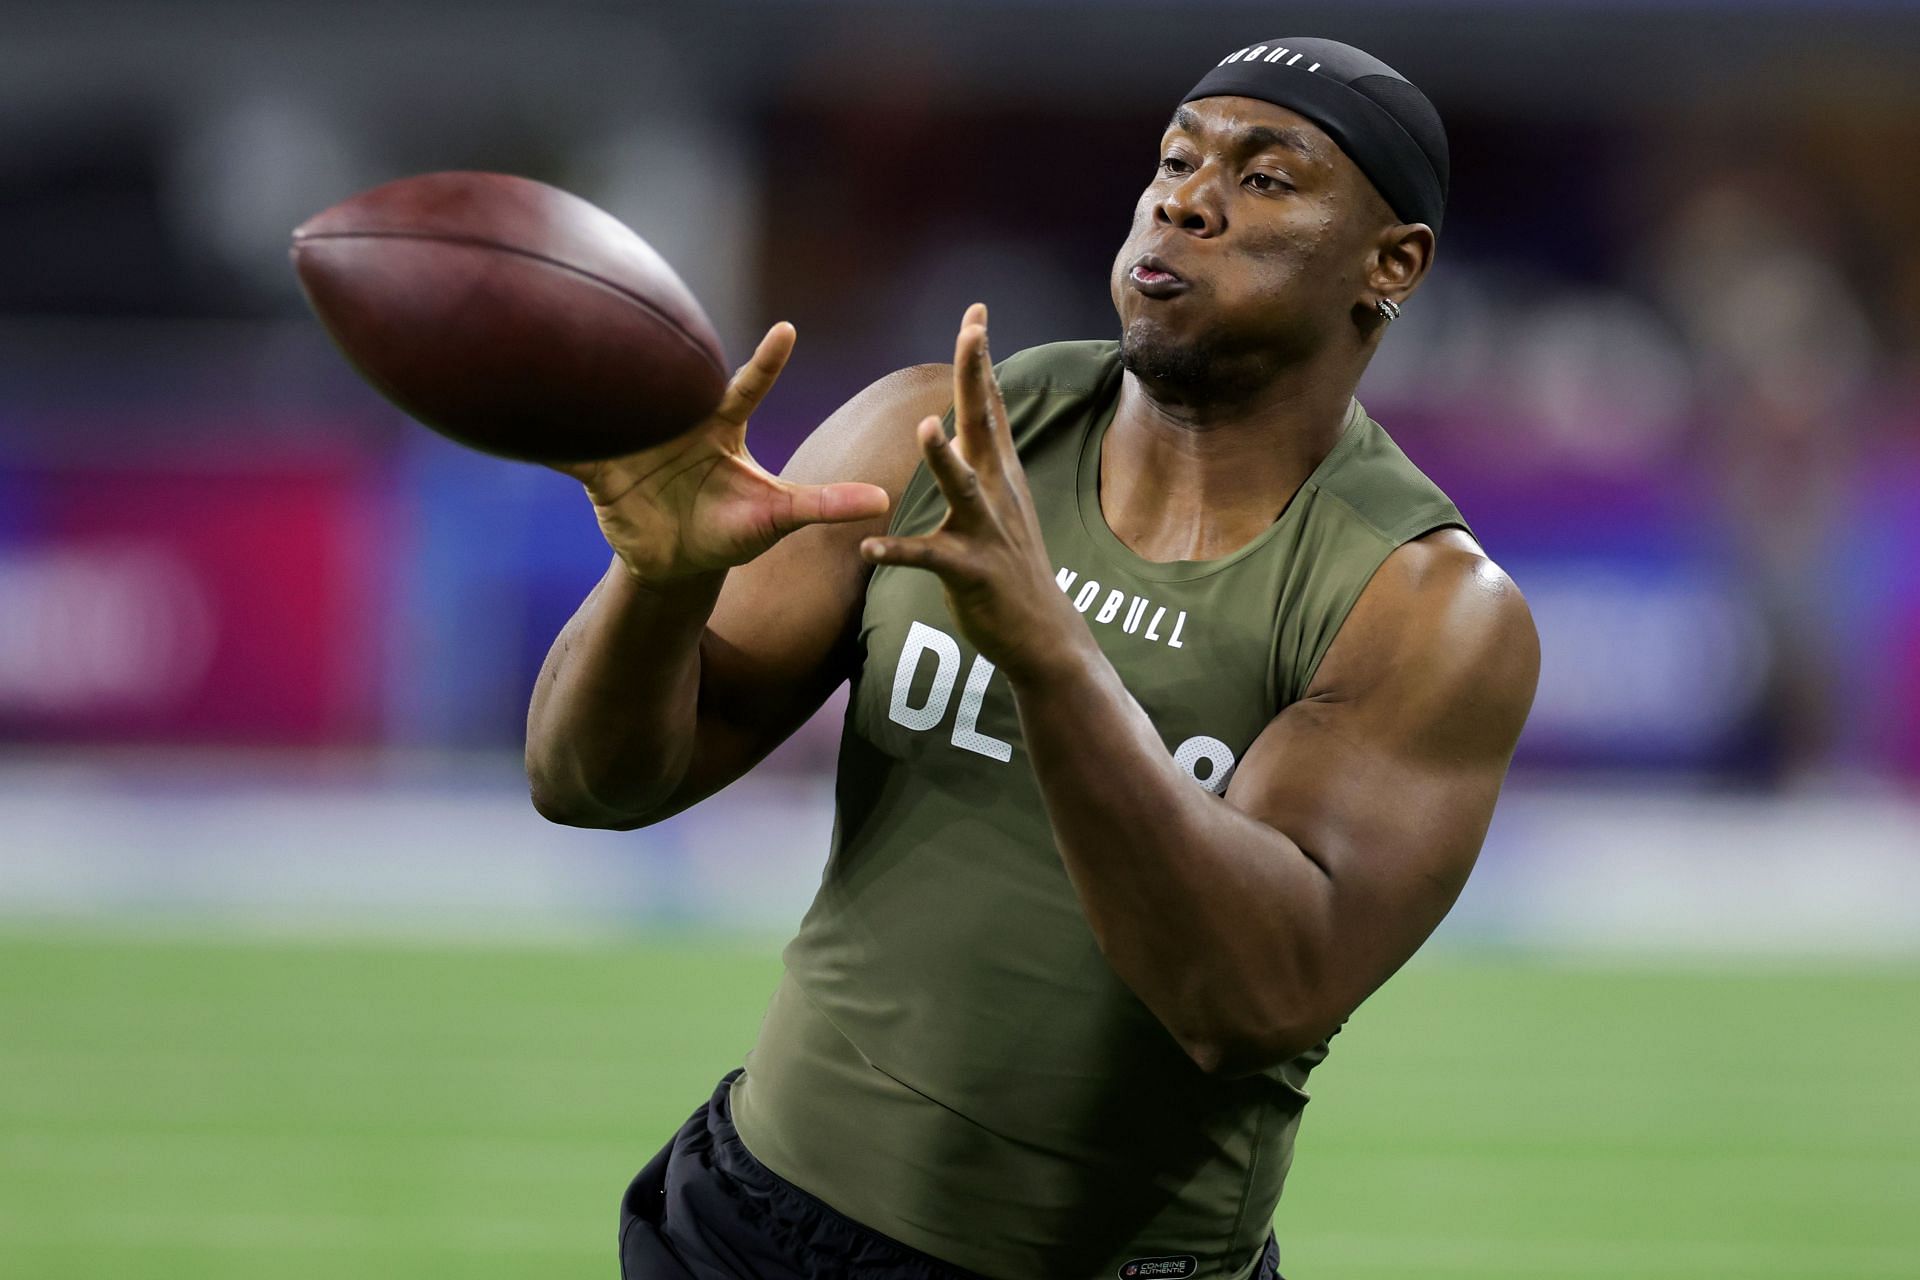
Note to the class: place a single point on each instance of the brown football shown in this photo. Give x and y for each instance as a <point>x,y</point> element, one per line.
<point>511,316</point>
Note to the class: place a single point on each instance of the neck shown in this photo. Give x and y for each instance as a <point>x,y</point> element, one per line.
<point>1183,479</point>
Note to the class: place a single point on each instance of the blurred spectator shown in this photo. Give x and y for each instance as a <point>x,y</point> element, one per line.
<point>1783,356</point>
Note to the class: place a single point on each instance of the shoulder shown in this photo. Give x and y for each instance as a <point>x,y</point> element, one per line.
<point>870,437</point>
<point>1376,483</point>
<point>1443,635</point>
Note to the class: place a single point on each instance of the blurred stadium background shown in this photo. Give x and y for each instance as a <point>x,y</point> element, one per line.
<point>294,982</point>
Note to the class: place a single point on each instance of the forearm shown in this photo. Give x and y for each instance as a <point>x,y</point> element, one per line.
<point>1206,913</point>
<point>611,726</point>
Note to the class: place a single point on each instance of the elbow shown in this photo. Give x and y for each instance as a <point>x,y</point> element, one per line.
<point>563,809</point>
<point>563,806</point>
<point>568,803</point>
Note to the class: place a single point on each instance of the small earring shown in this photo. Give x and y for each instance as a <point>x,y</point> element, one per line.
<point>1389,309</point>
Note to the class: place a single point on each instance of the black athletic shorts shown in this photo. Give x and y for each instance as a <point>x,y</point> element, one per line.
<point>705,1209</point>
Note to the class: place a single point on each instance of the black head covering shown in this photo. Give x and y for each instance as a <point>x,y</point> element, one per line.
<point>1372,112</point>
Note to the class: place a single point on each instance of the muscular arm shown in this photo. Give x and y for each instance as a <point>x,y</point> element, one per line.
<point>655,696</point>
<point>1250,924</point>
<point>1253,924</point>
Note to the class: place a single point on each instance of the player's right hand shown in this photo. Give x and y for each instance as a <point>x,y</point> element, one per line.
<point>700,504</point>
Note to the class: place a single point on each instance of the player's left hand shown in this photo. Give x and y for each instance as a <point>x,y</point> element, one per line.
<point>988,551</point>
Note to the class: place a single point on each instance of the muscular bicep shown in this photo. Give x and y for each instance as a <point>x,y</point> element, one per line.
<point>780,638</point>
<point>1385,774</point>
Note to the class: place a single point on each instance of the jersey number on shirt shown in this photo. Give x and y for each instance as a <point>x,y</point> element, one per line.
<point>1193,755</point>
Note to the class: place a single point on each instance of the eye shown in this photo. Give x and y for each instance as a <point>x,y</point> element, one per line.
<point>1268,182</point>
<point>1174,164</point>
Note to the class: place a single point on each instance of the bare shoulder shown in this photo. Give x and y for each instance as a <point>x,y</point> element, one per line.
<point>1442,638</point>
<point>870,438</point>
<point>1448,571</point>
<point>786,614</point>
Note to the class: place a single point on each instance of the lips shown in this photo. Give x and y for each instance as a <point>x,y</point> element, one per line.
<point>1154,278</point>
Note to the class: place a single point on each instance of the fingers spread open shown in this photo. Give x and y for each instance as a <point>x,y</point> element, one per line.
<point>839,503</point>
<point>996,403</point>
<point>757,376</point>
<point>932,552</point>
<point>972,416</point>
<point>958,481</point>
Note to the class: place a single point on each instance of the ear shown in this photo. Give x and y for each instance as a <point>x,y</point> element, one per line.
<point>1399,262</point>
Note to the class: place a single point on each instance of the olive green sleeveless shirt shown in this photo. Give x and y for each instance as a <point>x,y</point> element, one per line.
<point>949,1059</point>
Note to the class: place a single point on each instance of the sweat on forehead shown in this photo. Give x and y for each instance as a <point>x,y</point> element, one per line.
<point>1371,112</point>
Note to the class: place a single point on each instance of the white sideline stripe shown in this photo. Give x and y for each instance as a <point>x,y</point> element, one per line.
<point>460,852</point>
<point>461,855</point>
<point>1665,870</point>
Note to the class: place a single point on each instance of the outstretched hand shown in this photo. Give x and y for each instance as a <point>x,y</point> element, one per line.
<point>988,550</point>
<point>700,503</point>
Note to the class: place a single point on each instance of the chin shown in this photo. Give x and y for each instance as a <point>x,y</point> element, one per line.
<point>1153,356</point>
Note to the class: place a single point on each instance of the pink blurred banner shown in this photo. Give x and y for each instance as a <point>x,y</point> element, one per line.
<point>208,605</point>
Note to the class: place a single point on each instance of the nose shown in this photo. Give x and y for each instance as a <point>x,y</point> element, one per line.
<point>1192,206</point>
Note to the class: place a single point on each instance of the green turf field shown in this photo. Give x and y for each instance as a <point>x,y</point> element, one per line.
<point>208,1110</point>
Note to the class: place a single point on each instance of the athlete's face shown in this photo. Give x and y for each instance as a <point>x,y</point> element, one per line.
<point>1248,249</point>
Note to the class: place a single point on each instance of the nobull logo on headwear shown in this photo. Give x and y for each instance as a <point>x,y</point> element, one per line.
<point>1254,52</point>
<point>1366,108</point>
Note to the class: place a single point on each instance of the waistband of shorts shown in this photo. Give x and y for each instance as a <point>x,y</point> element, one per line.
<point>805,1222</point>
